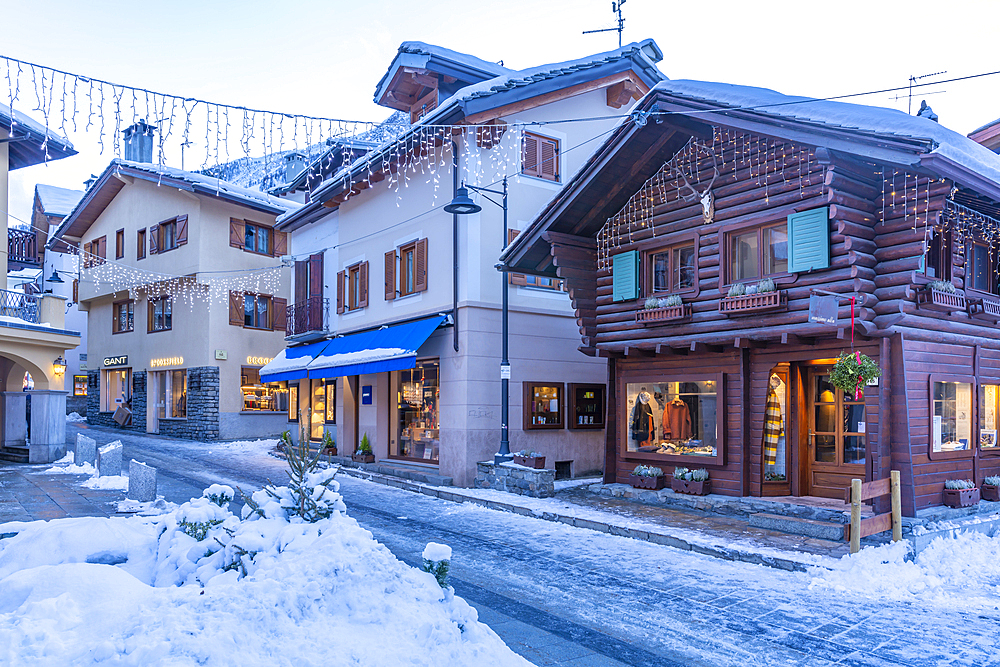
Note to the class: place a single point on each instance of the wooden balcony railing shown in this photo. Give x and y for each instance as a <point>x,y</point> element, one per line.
<point>22,248</point>
<point>313,314</point>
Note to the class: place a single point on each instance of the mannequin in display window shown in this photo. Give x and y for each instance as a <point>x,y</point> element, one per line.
<point>774,427</point>
<point>642,420</point>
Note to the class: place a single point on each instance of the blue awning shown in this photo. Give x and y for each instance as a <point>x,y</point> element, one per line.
<point>291,363</point>
<point>388,349</point>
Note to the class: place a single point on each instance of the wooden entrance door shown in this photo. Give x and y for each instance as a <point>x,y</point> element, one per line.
<point>836,437</point>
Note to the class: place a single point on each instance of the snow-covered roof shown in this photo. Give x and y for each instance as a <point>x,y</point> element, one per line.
<point>420,55</point>
<point>40,143</point>
<point>878,121</point>
<point>57,201</point>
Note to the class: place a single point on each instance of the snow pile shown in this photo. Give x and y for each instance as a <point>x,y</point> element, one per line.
<point>960,566</point>
<point>200,585</point>
<point>66,466</point>
<point>248,447</point>
<point>75,418</point>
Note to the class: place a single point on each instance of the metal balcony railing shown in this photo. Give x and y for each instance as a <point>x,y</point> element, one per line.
<point>20,305</point>
<point>313,314</point>
<point>22,247</point>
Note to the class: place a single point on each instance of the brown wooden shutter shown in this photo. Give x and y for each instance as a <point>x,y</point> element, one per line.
<point>236,309</point>
<point>548,167</point>
<point>340,292</point>
<point>363,286</point>
<point>76,291</point>
<point>102,250</point>
<point>529,159</point>
<point>181,231</point>
<point>279,310</point>
<point>280,244</point>
<point>316,275</point>
<point>301,281</point>
<point>154,239</point>
<point>237,233</point>
<point>515,278</point>
<point>420,266</point>
<point>140,244</point>
<point>390,275</point>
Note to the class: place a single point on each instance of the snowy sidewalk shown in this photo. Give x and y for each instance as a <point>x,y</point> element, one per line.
<point>29,493</point>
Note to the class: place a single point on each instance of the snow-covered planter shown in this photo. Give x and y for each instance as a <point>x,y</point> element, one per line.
<point>960,493</point>
<point>991,488</point>
<point>529,459</point>
<point>329,446</point>
<point>694,482</point>
<point>647,477</point>
<point>437,561</point>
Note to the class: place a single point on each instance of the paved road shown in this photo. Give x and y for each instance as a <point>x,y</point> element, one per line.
<point>561,595</point>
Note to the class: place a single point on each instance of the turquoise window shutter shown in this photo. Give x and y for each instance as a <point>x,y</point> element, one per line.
<point>625,276</point>
<point>809,240</point>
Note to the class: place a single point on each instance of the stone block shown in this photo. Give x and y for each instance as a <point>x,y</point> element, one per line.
<point>141,482</point>
<point>86,450</point>
<point>109,459</point>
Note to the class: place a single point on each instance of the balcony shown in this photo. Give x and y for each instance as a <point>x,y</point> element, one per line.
<point>22,250</point>
<point>22,306</point>
<point>304,317</point>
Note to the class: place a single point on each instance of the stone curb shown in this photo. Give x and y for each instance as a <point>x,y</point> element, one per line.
<point>589,524</point>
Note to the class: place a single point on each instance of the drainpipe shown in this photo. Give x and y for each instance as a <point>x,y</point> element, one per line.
<point>454,237</point>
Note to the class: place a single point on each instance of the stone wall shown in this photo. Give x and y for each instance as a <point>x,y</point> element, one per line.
<point>514,478</point>
<point>139,401</point>
<point>202,421</point>
<point>77,404</point>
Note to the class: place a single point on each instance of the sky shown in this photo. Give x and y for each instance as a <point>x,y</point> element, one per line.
<point>324,57</point>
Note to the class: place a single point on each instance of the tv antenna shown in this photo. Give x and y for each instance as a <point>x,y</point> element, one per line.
<point>616,8</point>
<point>913,80</point>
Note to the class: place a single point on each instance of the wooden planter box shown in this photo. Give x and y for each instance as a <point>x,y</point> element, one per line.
<point>944,302</point>
<point>668,314</point>
<point>330,451</point>
<point>536,462</point>
<point>644,482</point>
<point>991,493</point>
<point>694,488</point>
<point>961,497</point>
<point>985,309</point>
<point>363,458</point>
<point>752,303</point>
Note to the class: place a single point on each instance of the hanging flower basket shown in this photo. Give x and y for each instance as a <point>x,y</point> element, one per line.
<point>852,372</point>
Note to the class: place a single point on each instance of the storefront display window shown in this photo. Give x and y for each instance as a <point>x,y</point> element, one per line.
<point>678,418</point>
<point>775,424</point>
<point>117,389</point>
<point>293,401</point>
<point>317,416</point>
<point>258,396</point>
<point>331,401</point>
<point>988,418</point>
<point>170,389</point>
<point>79,385</point>
<point>586,406</point>
<point>951,418</point>
<point>543,405</point>
<point>418,435</point>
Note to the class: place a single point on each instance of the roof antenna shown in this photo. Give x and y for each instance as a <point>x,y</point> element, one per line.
<point>616,8</point>
<point>913,80</point>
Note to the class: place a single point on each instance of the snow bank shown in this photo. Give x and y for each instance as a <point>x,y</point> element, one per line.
<point>961,566</point>
<point>75,418</point>
<point>201,586</point>
<point>247,446</point>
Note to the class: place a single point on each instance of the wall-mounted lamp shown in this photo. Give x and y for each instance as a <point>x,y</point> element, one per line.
<point>59,365</point>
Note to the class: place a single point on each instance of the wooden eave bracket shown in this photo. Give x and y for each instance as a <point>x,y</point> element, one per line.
<point>623,92</point>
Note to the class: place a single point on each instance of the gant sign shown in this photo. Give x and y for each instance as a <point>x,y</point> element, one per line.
<point>116,361</point>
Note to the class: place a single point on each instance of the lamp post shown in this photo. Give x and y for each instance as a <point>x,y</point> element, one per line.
<point>463,205</point>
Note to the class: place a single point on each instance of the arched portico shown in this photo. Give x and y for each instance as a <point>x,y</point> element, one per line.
<point>48,401</point>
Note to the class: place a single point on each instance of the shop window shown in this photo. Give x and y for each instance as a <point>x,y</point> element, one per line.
<point>160,317</point>
<point>543,405</point>
<point>331,401</point>
<point>672,270</point>
<point>317,412</point>
<point>775,425</point>
<point>759,252</point>
<point>673,419</point>
<point>951,418</point>
<point>540,156</point>
<point>937,258</point>
<point>79,385</point>
<point>417,399</point>
<point>117,389</point>
<point>123,316</point>
<point>990,408</point>
<point>170,390</point>
<point>259,396</point>
<point>140,244</point>
<point>293,401</point>
<point>586,406</point>
<point>982,268</point>
<point>120,244</point>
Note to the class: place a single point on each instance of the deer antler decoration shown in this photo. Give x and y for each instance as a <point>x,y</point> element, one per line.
<point>706,196</point>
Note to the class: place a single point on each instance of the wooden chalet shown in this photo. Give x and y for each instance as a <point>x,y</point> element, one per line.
<point>693,242</point>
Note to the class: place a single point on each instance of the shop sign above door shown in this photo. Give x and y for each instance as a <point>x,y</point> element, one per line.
<point>823,309</point>
<point>116,361</point>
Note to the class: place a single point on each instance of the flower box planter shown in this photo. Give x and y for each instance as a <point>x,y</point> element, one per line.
<point>363,458</point>
<point>985,309</point>
<point>693,488</point>
<point>961,497</point>
<point>330,451</point>
<point>536,462</point>
<point>944,302</point>
<point>750,304</point>
<point>646,482</point>
<point>991,493</point>
<point>667,314</point>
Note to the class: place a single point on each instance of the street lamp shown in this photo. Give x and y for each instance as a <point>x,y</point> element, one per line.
<point>463,205</point>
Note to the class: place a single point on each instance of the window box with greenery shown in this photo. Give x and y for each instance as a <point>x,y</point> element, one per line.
<point>543,405</point>
<point>647,477</point>
<point>991,488</point>
<point>329,446</point>
<point>693,482</point>
<point>364,453</point>
<point>960,493</point>
<point>941,296</point>
<point>759,297</point>
<point>663,309</point>
<point>529,459</point>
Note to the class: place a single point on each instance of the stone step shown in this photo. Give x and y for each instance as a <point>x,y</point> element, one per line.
<point>823,530</point>
<point>14,454</point>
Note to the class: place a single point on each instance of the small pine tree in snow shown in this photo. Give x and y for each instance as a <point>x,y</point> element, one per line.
<point>308,494</point>
<point>437,561</point>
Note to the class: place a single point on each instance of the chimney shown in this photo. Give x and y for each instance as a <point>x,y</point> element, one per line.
<point>295,164</point>
<point>139,142</point>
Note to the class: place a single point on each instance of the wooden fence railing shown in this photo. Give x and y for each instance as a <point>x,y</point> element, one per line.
<point>862,491</point>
